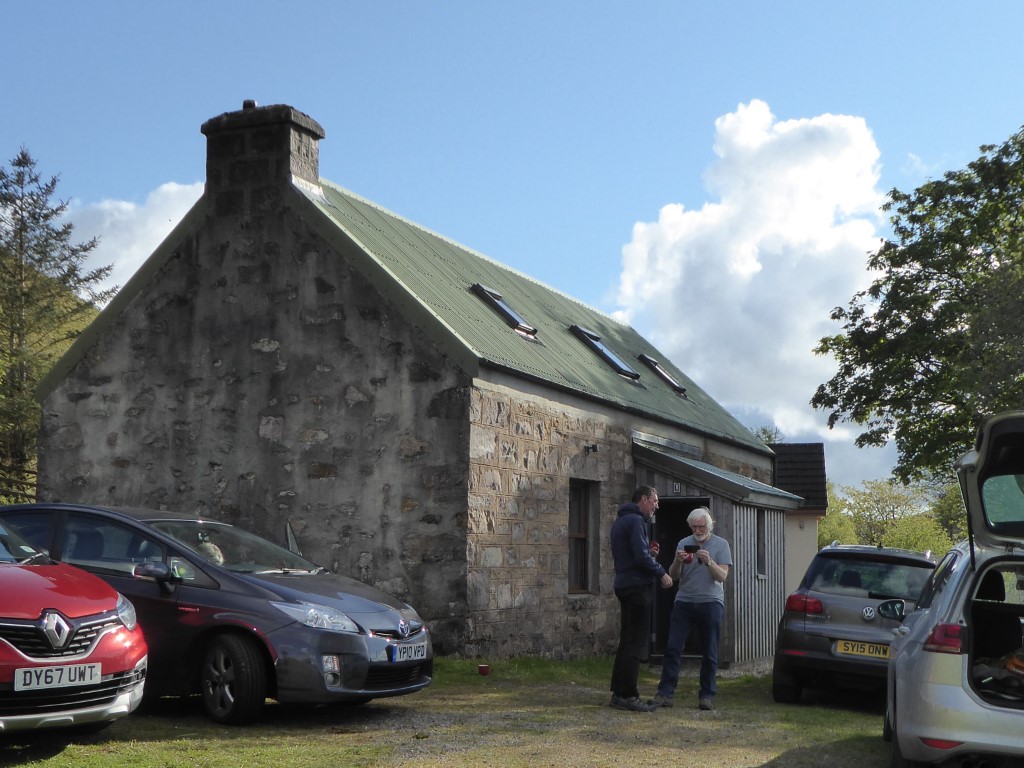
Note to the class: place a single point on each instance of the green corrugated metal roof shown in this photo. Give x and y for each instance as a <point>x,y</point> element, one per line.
<point>437,274</point>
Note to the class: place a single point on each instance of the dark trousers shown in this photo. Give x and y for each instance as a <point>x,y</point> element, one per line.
<point>634,639</point>
<point>706,618</point>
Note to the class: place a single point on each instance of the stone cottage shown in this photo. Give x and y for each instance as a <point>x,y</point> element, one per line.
<point>297,360</point>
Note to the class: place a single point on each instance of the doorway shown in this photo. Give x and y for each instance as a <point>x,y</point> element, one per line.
<point>670,527</point>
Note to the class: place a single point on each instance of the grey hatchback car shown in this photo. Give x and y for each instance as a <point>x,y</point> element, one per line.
<point>234,617</point>
<point>830,633</point>
<point>956,676</point>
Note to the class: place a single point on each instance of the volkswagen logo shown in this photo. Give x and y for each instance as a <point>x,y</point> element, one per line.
<point>403,627</point>
<point>56,629</point>
<point>868,613</point>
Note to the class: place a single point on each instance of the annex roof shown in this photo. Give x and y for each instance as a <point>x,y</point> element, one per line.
<point>731,485</point>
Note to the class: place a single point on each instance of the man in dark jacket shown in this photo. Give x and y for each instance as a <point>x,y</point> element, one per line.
<point>635,573</point>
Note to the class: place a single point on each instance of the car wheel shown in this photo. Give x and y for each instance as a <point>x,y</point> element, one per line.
<point>233,680</point>
<point>786,689</point>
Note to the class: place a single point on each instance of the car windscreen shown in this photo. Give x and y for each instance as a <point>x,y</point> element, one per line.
<point>14,549</point>
<point>234,548</point>
<point>880,579</point>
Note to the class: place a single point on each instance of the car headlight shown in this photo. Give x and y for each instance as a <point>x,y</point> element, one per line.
<point>318,616</point>
<point>126,612</point>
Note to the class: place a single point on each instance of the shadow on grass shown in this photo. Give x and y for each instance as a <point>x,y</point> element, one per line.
<point>172,719</point>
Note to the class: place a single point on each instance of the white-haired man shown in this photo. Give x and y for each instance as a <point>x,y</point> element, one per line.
<point>701,565</point>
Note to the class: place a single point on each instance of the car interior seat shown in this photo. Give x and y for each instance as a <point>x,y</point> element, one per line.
<point>996,628</point>
<point>849,579</point>
<point>85,545</point>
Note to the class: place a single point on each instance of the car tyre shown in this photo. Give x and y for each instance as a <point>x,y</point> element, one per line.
<point>786,689</point>
<point>233,680</point>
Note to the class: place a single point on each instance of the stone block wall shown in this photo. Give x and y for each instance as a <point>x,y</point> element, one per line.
<point>524,450</point>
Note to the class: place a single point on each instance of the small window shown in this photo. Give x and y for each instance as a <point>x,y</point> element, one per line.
<point>761,545</point>
<point>655,366</point>
<point>583,530</point>
<point>593,341</point>
<point>495,301</point>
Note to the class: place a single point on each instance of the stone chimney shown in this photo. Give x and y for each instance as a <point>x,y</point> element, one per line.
<point>255,154</point>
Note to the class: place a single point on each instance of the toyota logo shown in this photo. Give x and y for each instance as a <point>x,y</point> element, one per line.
<point>868,613</point>
<point>56,629</point>
<point>403,628</point>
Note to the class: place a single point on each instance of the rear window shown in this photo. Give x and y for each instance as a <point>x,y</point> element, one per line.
<point>861,577</point>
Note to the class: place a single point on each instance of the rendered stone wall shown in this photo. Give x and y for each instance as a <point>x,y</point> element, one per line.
<point>256,378</point>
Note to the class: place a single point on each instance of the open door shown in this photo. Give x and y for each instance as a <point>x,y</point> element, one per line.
<point>669,528</point>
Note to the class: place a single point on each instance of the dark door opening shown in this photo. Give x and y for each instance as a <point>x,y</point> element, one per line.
<point>669,528</point>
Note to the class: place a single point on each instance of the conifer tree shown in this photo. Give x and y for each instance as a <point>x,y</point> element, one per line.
<point>48,294</point>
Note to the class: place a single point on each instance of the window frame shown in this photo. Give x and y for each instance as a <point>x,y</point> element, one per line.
<point>582,533</point>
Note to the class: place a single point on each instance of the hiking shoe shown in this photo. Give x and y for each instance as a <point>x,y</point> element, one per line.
<point>632,704</point>
<point>660,700</point>
<point>706,705</point>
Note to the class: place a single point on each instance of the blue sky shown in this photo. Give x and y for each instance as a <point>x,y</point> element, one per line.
<point>709,172</point>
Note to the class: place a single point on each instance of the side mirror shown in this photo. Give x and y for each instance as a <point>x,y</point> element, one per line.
<point>893,609</point>
<point>163,574</point>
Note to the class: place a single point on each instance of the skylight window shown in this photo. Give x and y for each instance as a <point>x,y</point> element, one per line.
<point>655,366</point>
<point>593,341</point>
<point>494,300</point>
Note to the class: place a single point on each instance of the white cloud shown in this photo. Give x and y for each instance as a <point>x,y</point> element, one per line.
<point>128,232</point>
<point>739,292</point>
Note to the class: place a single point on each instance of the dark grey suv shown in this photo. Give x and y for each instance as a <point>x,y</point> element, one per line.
<point>830,633</point>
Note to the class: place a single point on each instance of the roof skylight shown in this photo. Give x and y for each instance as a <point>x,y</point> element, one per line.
<point>593,341</point>
<point>495,301</point>
<point>655,366</point>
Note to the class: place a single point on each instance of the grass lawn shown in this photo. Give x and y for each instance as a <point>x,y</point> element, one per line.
<point>525,713</point>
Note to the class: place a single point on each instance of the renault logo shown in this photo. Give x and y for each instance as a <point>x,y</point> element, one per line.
<point>868,613</point>
<point>403,627</point>
<point>56,629</point>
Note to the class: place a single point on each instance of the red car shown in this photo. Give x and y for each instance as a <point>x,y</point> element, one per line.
<point>71,651</point>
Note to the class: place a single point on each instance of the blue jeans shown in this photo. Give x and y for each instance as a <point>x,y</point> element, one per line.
<point>706,618</point>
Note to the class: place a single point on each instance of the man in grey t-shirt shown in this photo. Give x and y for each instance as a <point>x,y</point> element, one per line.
<point>699,604</point>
